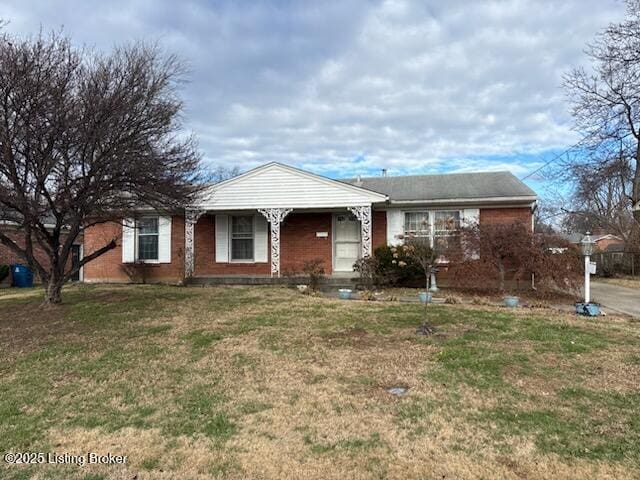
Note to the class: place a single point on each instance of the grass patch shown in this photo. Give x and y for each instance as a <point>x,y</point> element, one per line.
<point>351,446</point>
<point>262,382</point>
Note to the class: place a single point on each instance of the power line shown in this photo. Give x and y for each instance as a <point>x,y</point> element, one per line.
<point>546,164</point>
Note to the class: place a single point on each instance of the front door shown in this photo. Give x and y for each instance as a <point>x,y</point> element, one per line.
<point>346,242</point>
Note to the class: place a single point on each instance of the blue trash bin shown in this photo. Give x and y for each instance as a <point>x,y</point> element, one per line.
<point>22,276</point>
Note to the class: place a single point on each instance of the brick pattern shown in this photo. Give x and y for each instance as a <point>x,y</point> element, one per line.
<point>109,267</point>
<point>298,244</point>
<point>205,254</point>
<point>378,229</point>
<point>506,215</point>
<point>9,257</point>
<point>605,242</point>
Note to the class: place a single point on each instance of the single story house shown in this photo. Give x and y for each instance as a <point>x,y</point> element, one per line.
<point>268,221</point>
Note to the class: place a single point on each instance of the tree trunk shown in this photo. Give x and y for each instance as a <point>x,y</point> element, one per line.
<point>635,200</point>
<point>53,291</point>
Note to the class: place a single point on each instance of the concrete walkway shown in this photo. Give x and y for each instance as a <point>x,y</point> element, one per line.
<point>614,297</point>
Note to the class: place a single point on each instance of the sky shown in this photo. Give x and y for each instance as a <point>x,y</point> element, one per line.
<point>350,87</point>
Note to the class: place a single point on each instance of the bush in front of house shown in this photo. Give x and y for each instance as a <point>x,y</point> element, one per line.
<point>502,259</point>
<point>397,268</point>
<point>314,269</point>
<point>389,266</point>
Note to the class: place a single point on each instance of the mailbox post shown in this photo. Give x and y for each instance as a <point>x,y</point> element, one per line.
<point>588,247</point>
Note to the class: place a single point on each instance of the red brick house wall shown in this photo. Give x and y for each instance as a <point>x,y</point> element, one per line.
<point>298,243</point>
<point>109,267</point>
<point>505,215</point>
<point>9,257</point>
<point>205,254</point>
<point>379,229</point>
<point>605,242</point>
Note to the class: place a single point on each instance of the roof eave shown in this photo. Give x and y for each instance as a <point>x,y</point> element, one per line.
<point>464,201</point>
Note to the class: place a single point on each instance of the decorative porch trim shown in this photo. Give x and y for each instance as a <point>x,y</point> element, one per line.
<point>363,213</point>
<point>191,218</point>
<point>275,216</point>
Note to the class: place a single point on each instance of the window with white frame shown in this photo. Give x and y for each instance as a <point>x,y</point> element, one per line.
<point>445,223</point>
<point>446,229</point>
<point>242,237</point>
<point>416,224</point>
<point>148,238</point>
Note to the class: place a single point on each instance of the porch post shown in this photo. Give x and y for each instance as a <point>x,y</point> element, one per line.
<point>275,216</point>
<point>363,213</point>
<point>191,218</point>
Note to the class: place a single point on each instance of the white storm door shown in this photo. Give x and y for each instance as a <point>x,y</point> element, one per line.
<point>346,242</point>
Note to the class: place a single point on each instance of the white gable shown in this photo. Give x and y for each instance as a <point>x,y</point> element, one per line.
<point>275,185</point>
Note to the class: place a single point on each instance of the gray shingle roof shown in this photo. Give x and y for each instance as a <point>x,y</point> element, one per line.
<point>446,186</point>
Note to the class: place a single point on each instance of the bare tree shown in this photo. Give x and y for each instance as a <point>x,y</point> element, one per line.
<point>600,200</point>
<point>419,250</point>
<point>220,174</point>
<point>86,138</point>
<point>606,105</point>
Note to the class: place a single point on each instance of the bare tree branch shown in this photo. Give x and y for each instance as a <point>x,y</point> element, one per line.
<point>87,138</point>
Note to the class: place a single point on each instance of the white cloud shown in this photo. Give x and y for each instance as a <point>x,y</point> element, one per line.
<point>353,86</point>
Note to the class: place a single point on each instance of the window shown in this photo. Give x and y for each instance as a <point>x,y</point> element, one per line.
<point>242,237</point>
<point>446,225</point>
<point>416,224</point>
<point>147,230</point>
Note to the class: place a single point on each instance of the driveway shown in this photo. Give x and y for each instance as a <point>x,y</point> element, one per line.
<point>614,297</point>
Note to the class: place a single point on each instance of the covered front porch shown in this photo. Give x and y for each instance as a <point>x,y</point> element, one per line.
<point>271,220</point>
<point>275,243</point>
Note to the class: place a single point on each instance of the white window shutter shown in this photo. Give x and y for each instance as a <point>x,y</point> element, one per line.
<point>261,240</point>
<point>128,240</point>
<point>164,239</point>
<point>395,226</point>
<point>470,216</point>
<point>222,238</point>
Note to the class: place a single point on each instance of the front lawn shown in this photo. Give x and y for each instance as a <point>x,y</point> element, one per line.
<point>249,382</point>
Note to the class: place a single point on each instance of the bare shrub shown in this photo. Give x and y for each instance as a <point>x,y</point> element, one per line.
<point>314,269</point>
<point>504,257</point>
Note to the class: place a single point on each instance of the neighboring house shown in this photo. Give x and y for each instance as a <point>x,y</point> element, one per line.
<point>604,241</point>
<point>15,233</point>
<point>272,219</point>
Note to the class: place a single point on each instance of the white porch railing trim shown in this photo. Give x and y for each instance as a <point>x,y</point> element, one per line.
<point>363,213</point>
<point>275,216</point>
<point>191,218</point>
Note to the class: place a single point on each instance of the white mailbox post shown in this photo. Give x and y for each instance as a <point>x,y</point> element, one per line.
<point>588,246</point>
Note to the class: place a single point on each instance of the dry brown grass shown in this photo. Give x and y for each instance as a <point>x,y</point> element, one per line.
<point>628,282</point>
<point>303,381</point>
